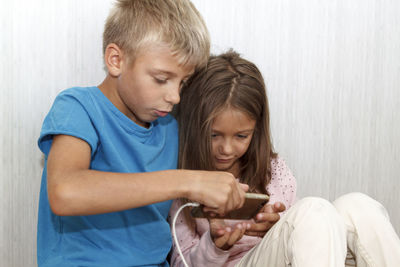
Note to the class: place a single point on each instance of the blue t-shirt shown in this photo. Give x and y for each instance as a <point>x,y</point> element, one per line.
<point>135,237</point>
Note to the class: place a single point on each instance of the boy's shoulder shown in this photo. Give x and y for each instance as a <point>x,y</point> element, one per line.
<point>77,91</point>
<point>81,96</point>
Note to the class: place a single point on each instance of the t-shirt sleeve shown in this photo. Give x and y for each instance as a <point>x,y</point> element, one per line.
<point>68,116</point>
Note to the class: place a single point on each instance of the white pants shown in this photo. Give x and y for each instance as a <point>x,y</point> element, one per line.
<point>316,233</point>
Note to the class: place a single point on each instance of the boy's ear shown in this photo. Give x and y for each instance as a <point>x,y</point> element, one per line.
<point>113,59</point>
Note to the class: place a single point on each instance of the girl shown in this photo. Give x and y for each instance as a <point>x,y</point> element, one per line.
<point>224,126</point>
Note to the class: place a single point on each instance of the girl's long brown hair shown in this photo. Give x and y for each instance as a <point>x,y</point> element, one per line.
<point>227,81</point>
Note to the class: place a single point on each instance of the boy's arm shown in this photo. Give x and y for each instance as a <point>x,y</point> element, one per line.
<point>74,189</point>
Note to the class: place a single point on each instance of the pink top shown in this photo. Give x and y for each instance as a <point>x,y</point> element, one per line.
<point>196,244</point>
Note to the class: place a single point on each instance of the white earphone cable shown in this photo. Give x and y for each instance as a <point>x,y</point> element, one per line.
<point>174,231</point>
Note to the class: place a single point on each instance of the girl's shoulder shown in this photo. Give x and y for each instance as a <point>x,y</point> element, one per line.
<point>282,186</point>
<point>278,163</point>
<point>280,171</point>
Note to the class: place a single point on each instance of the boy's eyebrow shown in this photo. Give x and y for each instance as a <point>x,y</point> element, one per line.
<point>171,74</point>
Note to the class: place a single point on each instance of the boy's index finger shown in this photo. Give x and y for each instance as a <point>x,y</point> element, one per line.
<point>245,187</point>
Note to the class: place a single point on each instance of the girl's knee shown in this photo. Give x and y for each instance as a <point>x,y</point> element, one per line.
<point>317,218</point>
<point>358,203</point>
<point>355,200</point>
<point>313,203</point>
<point>313,209</point>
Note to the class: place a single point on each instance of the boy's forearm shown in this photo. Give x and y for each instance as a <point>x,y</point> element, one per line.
<point>75,189</point>
<point>87,192</point>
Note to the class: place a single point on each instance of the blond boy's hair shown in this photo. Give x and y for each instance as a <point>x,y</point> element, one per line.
<point>136,24</point>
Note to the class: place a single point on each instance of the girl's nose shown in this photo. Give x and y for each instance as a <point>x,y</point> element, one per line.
<point>226,147</point>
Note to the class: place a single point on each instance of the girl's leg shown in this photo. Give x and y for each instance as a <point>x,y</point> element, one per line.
<point>310,234</point>
<point>370,235</point>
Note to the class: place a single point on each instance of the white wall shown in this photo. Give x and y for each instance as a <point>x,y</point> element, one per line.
<point>46,46</point>
<point>332,70</point>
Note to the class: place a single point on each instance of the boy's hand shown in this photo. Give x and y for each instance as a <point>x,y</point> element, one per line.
<point>219,192</point>
<point>224,236</point>
<point>265,219</point>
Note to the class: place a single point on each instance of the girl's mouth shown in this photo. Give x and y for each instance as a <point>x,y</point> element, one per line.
<point>223,160</point>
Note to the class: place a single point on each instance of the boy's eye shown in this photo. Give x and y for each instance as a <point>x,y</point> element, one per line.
<point>160,80</point>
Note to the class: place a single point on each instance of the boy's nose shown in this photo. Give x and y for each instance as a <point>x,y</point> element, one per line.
<point>173,96</point>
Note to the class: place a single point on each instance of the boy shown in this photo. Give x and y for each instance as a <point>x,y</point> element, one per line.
<point>111,150</point>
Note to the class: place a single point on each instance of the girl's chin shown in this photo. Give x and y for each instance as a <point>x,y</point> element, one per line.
<point>223,167</point>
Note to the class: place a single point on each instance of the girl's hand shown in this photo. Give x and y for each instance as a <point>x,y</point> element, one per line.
<point>265,219</point>
<point>224,236</point>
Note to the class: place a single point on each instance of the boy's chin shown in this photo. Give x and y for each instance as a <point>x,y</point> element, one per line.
<point>145,124</point>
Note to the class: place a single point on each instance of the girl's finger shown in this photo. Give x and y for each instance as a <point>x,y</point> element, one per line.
<point>256,227</point>
<point>244,229</point>
<point>268,208</point>
<point>236,235</point>
<point>217,227</point>
<point>252,233</point>
<point>279,207</point>
<point>221,241</point>
<point>267,217</point>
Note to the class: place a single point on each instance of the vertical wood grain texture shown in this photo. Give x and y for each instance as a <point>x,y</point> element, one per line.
<point>46,46</point>
<point>332,70</point>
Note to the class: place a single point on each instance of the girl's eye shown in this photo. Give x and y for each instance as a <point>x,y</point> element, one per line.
<point>242,136</point>
<point>213,135</point>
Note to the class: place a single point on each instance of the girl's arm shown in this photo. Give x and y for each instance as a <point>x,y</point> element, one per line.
<point>287,182</point>
<point>198,250</point>
<point>74,189</point>
<point>283,195</point>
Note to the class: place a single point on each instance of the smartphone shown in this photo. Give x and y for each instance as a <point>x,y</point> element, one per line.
<point>252,205</point>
